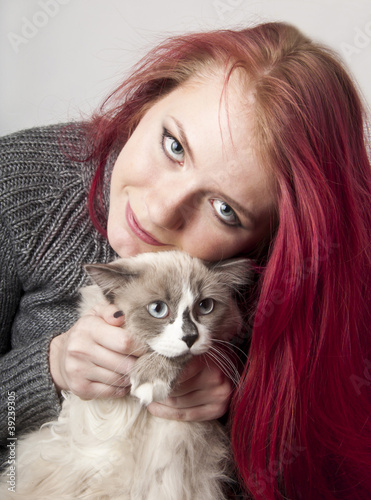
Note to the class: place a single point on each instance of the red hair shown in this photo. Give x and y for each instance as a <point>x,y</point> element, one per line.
<point>301,424</point>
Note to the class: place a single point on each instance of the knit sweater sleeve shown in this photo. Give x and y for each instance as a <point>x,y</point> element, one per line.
<point>45,235</point>
<point>24,370</point>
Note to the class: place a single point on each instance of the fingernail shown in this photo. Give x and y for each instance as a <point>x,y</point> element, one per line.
<point>118,314</point>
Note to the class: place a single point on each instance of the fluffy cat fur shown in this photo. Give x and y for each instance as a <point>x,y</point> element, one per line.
<point>115,449</point>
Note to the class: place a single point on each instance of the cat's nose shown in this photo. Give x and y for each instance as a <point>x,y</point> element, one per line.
<point>190,339</point>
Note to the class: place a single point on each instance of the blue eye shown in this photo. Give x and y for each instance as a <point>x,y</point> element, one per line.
<point>225,212</point>
<point>158,309</point>
<point>172,147</point>
<point>205,306</point>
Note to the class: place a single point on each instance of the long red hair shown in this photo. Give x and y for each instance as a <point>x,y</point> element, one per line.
<point>301,424</point>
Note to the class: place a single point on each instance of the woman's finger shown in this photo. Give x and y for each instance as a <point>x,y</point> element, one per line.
<point>195,413</point>
<point>109,312</point>
<point>92,330</point>
<point>97,390</point>
<point>203,393</point>
<point>199,375</point>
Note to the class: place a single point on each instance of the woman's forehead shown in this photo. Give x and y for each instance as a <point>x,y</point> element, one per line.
<point>216,120</point>
<point>222,87</point>
<point>213,104</point>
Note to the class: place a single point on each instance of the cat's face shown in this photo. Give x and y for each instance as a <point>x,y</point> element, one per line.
<point>173,302</point>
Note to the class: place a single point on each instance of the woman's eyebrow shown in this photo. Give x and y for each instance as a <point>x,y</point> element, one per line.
<point>182,137</point>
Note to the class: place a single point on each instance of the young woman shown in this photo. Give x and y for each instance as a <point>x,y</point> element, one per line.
<point>222,143</point>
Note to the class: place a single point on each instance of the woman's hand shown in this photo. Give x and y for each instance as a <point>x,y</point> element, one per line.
<point>202,393</point>
<point>93,358</point>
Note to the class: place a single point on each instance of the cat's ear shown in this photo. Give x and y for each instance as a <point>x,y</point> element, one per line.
<point>111,277</point>
<point>235,272</point>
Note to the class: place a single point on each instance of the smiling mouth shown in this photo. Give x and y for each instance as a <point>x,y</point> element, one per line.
<point>138,230</point>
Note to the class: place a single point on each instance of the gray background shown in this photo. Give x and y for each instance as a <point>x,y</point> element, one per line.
<point>60,58</point>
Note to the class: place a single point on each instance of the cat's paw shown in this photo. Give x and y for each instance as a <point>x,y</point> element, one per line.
<point>148,392</point>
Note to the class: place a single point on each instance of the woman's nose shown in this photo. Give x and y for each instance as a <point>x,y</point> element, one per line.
<point>172,204</point>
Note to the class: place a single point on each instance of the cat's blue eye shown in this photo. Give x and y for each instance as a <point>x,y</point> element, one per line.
<point>205,306</point>
<point>172,147</point>
<point>158,309</point>
<point>225,213</point>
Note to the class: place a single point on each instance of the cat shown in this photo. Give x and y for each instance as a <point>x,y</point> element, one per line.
<point>179,307</point>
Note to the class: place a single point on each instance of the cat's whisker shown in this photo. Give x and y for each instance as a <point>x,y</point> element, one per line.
<point>206,360</point>
<point>225,364</point>
<point>226,370</point>
<point>228,366</point>
<point>232,347</point>
<point>221,366</point>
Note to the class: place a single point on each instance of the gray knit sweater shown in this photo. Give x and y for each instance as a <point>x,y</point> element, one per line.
<point>45,236</point>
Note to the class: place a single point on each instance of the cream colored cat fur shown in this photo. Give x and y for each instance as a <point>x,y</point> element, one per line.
<point>114,449</point>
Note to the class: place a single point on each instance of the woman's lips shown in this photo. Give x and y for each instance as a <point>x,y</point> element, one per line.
<point>138,231</point>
